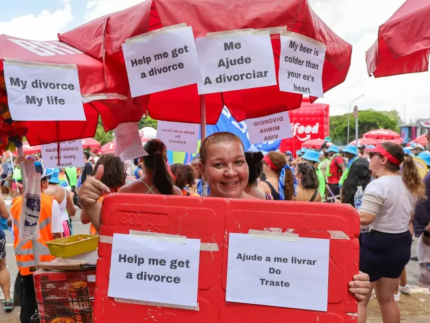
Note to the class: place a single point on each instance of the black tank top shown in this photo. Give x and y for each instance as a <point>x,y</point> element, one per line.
<point>273,192</point>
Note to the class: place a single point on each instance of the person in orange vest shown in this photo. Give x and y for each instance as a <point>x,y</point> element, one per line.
<point>50,227</point>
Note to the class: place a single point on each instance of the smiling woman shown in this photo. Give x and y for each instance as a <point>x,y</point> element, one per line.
<point>223,165</point>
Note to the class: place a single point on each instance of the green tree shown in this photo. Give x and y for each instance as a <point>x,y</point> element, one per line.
<point>102,136</point>
<point>367,120</point>
<point>147,122</point>
<point>393,115</point>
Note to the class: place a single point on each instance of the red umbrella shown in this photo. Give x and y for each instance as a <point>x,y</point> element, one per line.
<point>90,143</point>
<point>403,43</point>
<point>422,140</point>
<point>382,134</point>
<point>102,39</point>
<point>109,148</point>
<point>28,150</point>
<point>313,144</point>
<point>366,141</point>
<point>93,87</point>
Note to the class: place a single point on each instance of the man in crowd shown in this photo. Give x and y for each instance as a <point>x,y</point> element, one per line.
<point>87,171</point>
<point>335,170</point>
<point>50,228</point>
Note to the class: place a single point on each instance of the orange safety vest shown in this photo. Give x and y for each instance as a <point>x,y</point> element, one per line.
<point>24,249</point>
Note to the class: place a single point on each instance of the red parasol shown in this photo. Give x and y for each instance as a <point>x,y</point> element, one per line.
<point>382,134</point>
<point>403,43</point>
<point>109,148</point>
<point>314,144</point>
<point>374,142</point>
<point>90,143</point>
<point>422,140</point>
<point>184,104</point>
<point>29,150</point>
<point>93,88</point>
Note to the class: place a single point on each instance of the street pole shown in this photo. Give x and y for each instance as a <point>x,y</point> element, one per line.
<point>349,108</point>
<point>356,131</point>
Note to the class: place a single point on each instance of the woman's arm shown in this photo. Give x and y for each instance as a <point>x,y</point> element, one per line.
<point>366,218</point>
<point>71,209</point>
<point>3,209</point>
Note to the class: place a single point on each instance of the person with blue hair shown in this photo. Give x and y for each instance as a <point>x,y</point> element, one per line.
<point>280,181</point>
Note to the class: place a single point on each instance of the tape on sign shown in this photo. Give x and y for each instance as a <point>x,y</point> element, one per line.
<point>274,235</point>
<point>338,235</point>
<point>159,236</point>
<point>155,33</point>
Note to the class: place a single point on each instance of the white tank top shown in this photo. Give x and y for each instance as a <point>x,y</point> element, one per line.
<point>64,215</point>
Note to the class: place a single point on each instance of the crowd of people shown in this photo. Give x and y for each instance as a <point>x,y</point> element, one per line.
<point>394,206</point>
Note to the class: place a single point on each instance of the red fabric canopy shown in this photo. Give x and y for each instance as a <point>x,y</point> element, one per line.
<point>313,144</point>
<point>374,142</point>
<point>109,148</point>
<point>422,140</point>
<point>403,43</point>
<point>92,82</point>
<point>102,39</point>
<point>381,134</point>
<point>90,143</point>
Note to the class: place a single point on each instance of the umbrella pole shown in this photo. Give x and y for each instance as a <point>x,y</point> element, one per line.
<point>202,117</point>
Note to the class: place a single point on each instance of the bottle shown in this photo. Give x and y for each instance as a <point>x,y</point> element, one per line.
<point>30,212</point>
<point>204,188</point>
<point>358,197</point>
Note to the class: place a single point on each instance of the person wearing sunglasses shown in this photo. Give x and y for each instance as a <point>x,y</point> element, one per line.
<point>388,206</point>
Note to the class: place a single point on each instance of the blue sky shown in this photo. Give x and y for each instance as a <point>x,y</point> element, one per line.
<point>355,21</point>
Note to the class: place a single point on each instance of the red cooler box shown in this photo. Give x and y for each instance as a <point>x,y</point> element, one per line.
<point>211,220</point>
<point>65,296</point>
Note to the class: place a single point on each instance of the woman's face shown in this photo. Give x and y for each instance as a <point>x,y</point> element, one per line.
<point>376,163</point>
<point>226,170</point>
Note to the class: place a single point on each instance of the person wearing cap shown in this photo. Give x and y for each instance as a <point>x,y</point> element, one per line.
<point>313,157</point>
<point>406,150</point>
<point>50,228</point>
<point>417,149</point>
<point>350,152</point>
<point>298,159</point>
<point>324,163</point>
<point>64,199</point>
<point>387,206</point>
<point>335,170</point>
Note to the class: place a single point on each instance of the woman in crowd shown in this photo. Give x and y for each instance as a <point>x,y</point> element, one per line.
<point>155,180</point>
<point>184,177</point>
<point>359,175</point>
<point>114,176</point>
<point>64,199</point>
<point>255,168</point>
<point>224,166</point>
<point>4,272</point>
<point>138,172</point>
<point>307,189</point>
<point>388,206</point>
<point>280,181</point>
<point>313,158</point>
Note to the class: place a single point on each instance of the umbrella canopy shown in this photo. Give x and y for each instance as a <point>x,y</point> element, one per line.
<point>403,43</point>
<point>93,87</point>
<point>90,143</point>
<point>374,142</point>
<point>422,140</point>
<point>183,104</point>
<point>109,148</point>
<point>313,144</point>
<point>382,134</point>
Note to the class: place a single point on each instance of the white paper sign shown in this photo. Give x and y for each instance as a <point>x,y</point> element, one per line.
<point>179,136</point>
<point>71,154</point>
<point>274,127</point>
<point>235,63</point>
<point>154,270</point>
<point>128,143</point>
<point>161,61</point>
<point>37,93</point>
<point>301,65</point>
<point>278,273</point>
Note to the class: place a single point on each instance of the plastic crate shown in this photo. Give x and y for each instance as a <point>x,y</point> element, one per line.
<point>73,246</point>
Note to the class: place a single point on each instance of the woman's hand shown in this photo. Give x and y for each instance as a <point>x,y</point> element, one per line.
<point>360,286</point>
<point>92,189</point>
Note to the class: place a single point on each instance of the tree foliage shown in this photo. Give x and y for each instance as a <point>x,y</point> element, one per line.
<point>147,122</point>
<point>367,120</point>
<point>102,136</point>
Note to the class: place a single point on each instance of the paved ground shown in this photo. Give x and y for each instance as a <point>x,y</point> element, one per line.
<point>414,308</point>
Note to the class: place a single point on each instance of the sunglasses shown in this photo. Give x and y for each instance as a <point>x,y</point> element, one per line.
<point>375,154</point>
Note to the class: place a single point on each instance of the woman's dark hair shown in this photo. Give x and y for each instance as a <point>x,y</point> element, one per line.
<point>184,175</point>
<point>156,162</point>
<point>114,174</point>
<point>309,176</point>
<point>279,161</point>
<point>255,165</point>
<point>359,175</point>
<point>410,175</point>
<point>173,168</point>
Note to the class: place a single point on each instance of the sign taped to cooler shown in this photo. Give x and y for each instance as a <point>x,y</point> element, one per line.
<point>213,222</point>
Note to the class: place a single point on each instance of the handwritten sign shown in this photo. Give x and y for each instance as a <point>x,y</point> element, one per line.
<point>238,62</point>
<point>161,60</point>
<point>301,65</point>
<point>179,136</point>
<point>71,154</point>
<point>43,93</point>
<point>274,127</point>
<point>128,141</point>
<point>160,271</point>
<point>278,272</point>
